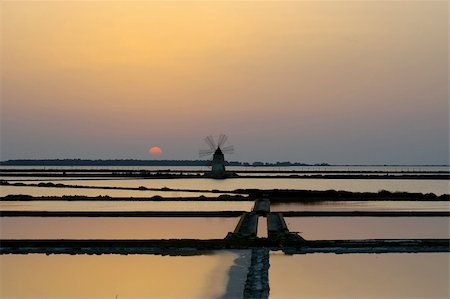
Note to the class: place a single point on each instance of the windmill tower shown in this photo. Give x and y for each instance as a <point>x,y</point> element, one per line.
<point>217,149</point>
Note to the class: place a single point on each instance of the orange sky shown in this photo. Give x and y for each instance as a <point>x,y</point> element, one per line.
<point>339,82</point>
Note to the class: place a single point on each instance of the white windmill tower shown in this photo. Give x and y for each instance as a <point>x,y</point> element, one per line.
<point>217,149</point>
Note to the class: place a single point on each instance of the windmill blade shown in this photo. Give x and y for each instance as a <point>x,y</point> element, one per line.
<point>204,153</point>
<point>210,141</point>
<point>228,149</point>
<point>222,139</point>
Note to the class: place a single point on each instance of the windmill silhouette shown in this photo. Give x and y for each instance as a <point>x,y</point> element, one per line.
<point>217,150</point>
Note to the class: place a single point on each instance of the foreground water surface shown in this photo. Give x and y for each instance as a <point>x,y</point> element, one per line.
<point>116,276</point>
<point>405,275</point>
<point>421,275</point>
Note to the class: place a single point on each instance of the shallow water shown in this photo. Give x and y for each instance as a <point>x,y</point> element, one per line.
<point>438,187</point>
<point>124,205</point>
<point>299,276</point>
<point>363,206</point>
<point>419,275</point>
<point>115,228</point>
<point>334,228</point>
<point>50,191</point>
<point>115,276</point>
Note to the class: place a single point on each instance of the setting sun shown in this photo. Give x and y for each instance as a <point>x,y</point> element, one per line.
<point>155,150</point>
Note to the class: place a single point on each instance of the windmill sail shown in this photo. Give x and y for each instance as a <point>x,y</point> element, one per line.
<point>228,149</point>
<point>210,141</point>
<point>222,139</point>
<point>205,153</point>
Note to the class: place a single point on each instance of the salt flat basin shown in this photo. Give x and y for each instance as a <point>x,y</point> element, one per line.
<point>438,187</point>
<point>405,275</point>
<point>333,228</point>
<point>109,205</point>
<point>115,276</point>
<point>115,228</point>
<point>362,206</point>
<point>51,191</point>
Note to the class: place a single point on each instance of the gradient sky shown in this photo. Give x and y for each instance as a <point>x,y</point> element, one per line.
<point>359,82</point>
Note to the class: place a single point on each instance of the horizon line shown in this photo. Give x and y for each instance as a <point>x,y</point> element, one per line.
<point>277,163</point>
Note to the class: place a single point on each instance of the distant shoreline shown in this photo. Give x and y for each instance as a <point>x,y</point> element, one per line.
<point>136,162</point>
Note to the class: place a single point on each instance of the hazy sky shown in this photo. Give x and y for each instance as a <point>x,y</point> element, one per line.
<point>356,82</point>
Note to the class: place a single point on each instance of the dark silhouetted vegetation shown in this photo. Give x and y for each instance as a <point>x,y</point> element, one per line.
<point>134,162</point>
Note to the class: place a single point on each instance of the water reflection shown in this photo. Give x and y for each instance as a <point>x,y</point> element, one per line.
<point>114,276</point>
<point>124,205</point>
<point>363,206</point>
<point>115,228</point>
<point>419,275</point>
<point>332,228</point>
<point>438,187</point>
<point>50,191</point>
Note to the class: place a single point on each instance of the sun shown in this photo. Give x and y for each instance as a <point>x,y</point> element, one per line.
<point>155,150</point>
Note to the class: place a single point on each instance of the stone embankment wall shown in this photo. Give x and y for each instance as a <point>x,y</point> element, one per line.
<point>257,284</point>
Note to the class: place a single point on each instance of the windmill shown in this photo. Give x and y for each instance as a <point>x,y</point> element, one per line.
<point>217,150</point>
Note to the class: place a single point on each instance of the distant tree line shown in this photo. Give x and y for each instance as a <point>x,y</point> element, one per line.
<point>133,162</point>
